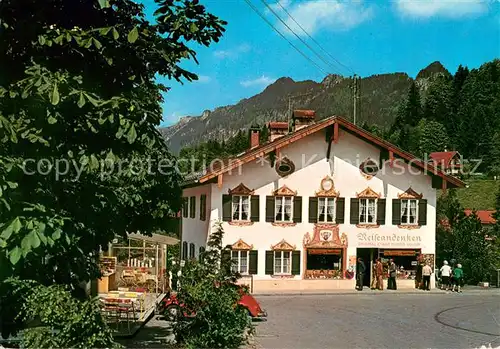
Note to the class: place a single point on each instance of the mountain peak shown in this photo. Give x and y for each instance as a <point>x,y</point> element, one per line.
<point>432,69</point>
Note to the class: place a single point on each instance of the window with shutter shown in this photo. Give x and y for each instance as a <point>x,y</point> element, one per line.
<point>313,209</point>
<point>282,263</point>
<point>269,262</point>
<point>253,263</point>
<point>203,207</point>
<point>422,212</point>
<point>381,211</point>
<point>340,214</point>
<point>240,209</point>
<point>185,207</point>
<point>354,217</point>
<point>184,250</point>
<point>326,209</point>
<point>410,209</point>
<point>287,207</point>
<point>254,208</point>
<point>192,250</point>
<point>192,207</point>
<point>239,261</point>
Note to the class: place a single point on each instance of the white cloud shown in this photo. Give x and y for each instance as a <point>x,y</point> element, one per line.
<point>262,81</point>
<point>203,79</point>
<point>443,8</point>
<point>232,53</point>
<point>315,15</point>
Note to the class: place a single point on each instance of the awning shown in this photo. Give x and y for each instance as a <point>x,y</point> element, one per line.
<point>154,239</point>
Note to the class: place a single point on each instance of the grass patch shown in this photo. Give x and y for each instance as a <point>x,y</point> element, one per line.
<point>480,194</point>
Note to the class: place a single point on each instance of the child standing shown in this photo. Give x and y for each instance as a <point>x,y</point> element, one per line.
<point>458,276</point>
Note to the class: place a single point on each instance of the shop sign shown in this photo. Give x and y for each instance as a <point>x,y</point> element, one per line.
<point>377,239</point>
<point>410,253</point>
<point>323,251</point>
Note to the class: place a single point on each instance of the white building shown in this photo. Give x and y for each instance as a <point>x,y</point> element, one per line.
<point>298,210</point>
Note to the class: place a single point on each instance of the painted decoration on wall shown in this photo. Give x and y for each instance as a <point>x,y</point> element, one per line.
<point>410,194</point>
<point>428,258</point>
<point>351,270</point>
<point>327,188</point>
<point>325,236</point>
<point>369,168</point>
<point>284,167</point>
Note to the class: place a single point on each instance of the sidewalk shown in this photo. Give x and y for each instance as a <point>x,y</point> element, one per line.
<point>475,290</point>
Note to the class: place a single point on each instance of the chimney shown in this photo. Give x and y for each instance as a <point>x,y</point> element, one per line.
<point>277,129</point>
<point>254,136</point>
<point>303,118</point>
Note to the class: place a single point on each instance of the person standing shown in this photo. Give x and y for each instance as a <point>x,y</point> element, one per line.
<point>426,274</point>
<point>373,284</point>
<point>391,283</point>
<point>360,274</point>
<point>445,275</point>
<point>418,276</point>
<point>379,273</point>
<point>458,274</point>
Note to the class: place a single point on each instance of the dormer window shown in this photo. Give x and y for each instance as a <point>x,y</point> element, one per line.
<point>240,206</point>
<point>368,209</point>
<point>409,210</point>
<point>326,206</point>
<point>284,207</point>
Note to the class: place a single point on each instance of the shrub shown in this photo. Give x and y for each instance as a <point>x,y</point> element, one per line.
<point>209,289</point>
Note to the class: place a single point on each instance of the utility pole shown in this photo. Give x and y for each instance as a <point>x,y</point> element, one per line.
<point>355,97</point>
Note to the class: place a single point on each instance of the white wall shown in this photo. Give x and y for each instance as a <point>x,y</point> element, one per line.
<point>194,230</point>
<point>309,157</point>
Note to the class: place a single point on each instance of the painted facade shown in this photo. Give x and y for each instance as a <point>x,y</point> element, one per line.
<point>303,230</point>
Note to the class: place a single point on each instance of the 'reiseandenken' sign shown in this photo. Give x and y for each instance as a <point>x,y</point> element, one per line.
<point>368,239</point>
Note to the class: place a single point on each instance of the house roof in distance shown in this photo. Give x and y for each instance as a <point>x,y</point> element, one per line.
<point>282,125</point>
<point>443,157</point>
<point>266,148</point>
<point>305,114</point>
<point>485,216</point>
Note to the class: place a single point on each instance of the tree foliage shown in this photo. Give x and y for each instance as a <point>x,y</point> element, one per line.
<point>80,157</point>
<point>463,238</point>
<point>209,289</point>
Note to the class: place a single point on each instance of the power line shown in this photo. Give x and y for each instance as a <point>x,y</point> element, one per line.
<point>310,37</point>
<point>284,37</point>
<point>298,37</point>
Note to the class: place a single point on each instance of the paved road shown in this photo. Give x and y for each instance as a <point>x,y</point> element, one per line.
<point>380,320</point>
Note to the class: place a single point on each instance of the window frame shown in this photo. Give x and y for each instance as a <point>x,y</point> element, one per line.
<point>326,199</point>
<point>283,201</point>
<point>238,265</point>
<point>282,259</point>
<point>185,207</point>
<point>240,207</point>
<point>416,212</point>
<point>375,203</point>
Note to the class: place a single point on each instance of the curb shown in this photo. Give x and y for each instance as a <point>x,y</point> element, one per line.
<point>378,293</point>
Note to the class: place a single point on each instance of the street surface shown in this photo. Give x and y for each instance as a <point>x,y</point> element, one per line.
<point>380,320</point>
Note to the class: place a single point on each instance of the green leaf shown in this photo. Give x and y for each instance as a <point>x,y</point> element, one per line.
<point>109,60</point>
<point>13,227</point>
<point>131,134</point>
<point>12,185</point>
<point>119,133</point>
<point>41,39</point>
<point>92,100</point>
<point>26,243</point>
<point>15,255</point>
<point>56,234</point>
<point>35,240</point>
<point>104,31</point>
<point>52,120</point>
<point>54,96</point>
<point>104,3</point>
<point>193,28</point>
<point>133,35</point>
<point>111,118</point>
<point>81,101</point>
<point>94,163</point>
<point>97,44</point>
<point>116,35</point>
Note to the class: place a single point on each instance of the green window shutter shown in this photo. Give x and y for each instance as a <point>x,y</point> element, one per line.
<point>185,207</point>
<point>254,208</point>
<point>227,205</point>
<point>269,262</point>
<point>340,211</point>
<point>422,212</point>
<point>295,262</point>
<point>297,209</point>
<point>184,250</point>
<point>381,211</point>
<point>313,209</point>
<point>203,207</point>
<point>354,211</point>
<point>396,212</point>
<point>192,206</point>
<point>269,208</point>
<point>252,266</point>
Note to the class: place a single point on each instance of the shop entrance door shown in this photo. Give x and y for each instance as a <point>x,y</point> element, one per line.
<point>368,255</point>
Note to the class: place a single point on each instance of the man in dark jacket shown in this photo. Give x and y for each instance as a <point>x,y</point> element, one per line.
<point>360,273</point>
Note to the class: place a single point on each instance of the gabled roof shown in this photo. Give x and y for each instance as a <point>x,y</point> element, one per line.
<point>485,216</point>
<point>443,157</point>
<point>266,148</point>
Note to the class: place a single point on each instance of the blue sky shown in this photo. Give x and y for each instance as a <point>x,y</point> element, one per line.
<point>369,37</point>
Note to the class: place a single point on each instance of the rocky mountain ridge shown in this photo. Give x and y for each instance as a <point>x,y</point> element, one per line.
<point>380,96</point>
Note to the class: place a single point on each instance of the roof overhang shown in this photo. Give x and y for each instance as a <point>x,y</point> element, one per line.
<point>264,149</point>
